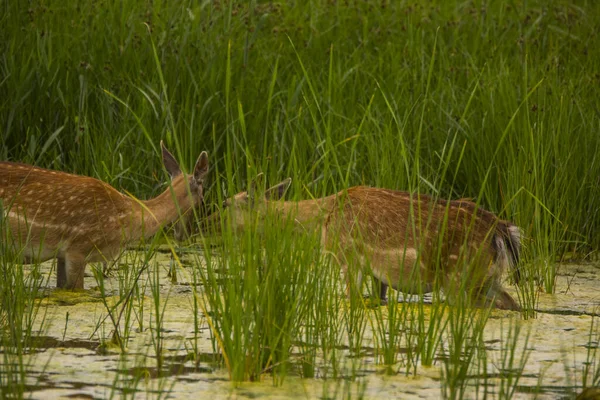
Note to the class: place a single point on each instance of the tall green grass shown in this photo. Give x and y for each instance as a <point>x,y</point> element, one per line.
<point>479,99</point>
<point>334,93</point>
<point>591,371</point>
<point>273,301</point>
<point>22,316</point>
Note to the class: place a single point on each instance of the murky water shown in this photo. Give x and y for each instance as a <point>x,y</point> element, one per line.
<point>71,362</point>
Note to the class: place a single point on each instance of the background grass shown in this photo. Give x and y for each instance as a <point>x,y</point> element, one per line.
<point>497,101</point>
<point>491,100</point>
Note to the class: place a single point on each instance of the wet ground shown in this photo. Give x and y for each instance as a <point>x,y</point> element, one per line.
<point>73,360</point>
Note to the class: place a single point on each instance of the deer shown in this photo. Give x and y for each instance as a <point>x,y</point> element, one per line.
<point>404,240</point>
<point>79,220</point>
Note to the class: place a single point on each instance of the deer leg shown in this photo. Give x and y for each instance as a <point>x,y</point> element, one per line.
<point>380,288</point>
<point>172,270</point>
<point>383,287</point>
<point>61,273</point>
<point>105,270</point>
<point>75,269</point>
<point>378,292</point>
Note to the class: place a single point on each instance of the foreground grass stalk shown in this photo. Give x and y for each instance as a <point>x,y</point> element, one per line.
<point>465,340</point>
<point>20,313</point>
<point>270,289</point>
<point>158,314</point>
<point>591,371</point>
<point>514,354</point>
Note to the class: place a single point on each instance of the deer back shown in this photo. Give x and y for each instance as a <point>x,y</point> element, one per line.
<point>387,220</point>
<point>55,207</point>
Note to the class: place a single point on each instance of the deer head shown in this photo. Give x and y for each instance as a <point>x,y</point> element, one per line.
<point>244,204</point>
<point>195,185</point>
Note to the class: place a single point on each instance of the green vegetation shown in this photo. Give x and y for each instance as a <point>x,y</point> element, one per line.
<point>475,99</point>
<point>21,318</point>
<point>495,101</point>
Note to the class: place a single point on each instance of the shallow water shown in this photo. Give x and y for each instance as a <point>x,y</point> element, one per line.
<point>71,362</point>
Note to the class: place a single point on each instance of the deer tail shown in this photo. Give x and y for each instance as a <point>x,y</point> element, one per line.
<point>507,244</point>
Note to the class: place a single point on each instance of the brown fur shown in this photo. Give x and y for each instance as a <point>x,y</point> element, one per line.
<point>403,238</point>
<point>407,238</point>
<point>79,219</point>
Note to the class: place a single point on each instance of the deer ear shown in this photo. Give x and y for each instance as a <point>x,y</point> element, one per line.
<point>276,192</point>
<point>255,185</point>
<point>201,168</point>
<point>169,161</point>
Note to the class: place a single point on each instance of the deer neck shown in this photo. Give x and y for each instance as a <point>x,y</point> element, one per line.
<point>307,214</point>
<point>165,208</point>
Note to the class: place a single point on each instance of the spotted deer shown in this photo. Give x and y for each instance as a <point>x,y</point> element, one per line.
<point>404,240</point>
<point>78,219</point>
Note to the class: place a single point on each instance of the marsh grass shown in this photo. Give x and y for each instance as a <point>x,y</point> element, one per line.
<point>486,100</point>
<point>120,313</point>
<point>388,324</point>
<point>124,385</point>
<point>431,323</point>
<point>464,348</point>
<point>316,110</point>
<point>269,292</point>
<point>528,288</point>
<point>157,314</point>
<point>513,357</point>
<point>22,315</point>
<point>591,372</point>
<point>321,327</point>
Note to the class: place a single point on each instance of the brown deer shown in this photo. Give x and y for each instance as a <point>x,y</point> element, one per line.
<point>78,219</point>
<point>404,240</point>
